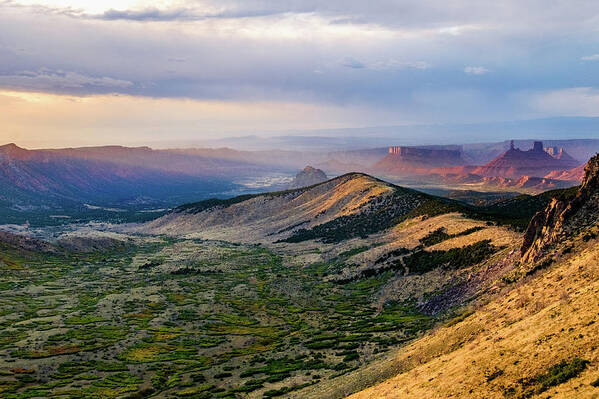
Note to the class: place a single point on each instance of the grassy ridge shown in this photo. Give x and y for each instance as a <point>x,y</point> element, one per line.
<point>377,215</point>
<point>387,211</point>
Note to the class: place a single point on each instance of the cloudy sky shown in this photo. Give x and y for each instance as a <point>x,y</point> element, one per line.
<point>133,72</point>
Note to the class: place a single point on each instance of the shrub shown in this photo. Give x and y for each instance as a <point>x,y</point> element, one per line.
<point>440,235</point>
<point>560,373</point>
<point>555,375</point>
<point>424,261</point>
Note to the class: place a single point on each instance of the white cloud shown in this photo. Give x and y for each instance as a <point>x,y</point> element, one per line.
<point>476,70</point>
<point>594,57</point>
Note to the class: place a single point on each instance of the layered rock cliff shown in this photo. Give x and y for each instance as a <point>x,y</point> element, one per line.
<point>534,162</point>
<point>564,216</point>
<point>412,160</point>
<point>575,174</point>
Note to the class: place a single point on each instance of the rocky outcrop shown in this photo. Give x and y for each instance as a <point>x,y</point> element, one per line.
<point>564,216</point>
<point>575,174</point>
<point>25,243</point>
<point>308,177</point>
<point>534,162</point>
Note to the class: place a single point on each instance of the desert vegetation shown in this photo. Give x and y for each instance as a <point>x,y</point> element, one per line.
<point>186,318</point>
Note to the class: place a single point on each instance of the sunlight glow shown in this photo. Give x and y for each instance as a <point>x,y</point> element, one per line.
<point>53,120</point>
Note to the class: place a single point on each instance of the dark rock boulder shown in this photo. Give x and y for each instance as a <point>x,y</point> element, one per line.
<point>308,177</point>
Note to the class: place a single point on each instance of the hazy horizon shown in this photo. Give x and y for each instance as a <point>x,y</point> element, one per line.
<point>578,128</point>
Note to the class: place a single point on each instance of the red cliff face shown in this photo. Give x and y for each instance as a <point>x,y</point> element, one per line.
<point>412,160</point>
<point>575,174</point>
<point>534,162</point>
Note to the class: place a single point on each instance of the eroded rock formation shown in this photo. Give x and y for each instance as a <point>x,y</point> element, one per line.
<point>308,177</point>
<point>413,160</point>
<point>535,162</point>
<point>564,216</point>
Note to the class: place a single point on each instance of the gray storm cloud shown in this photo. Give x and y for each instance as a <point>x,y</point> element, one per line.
<point>407,56</point>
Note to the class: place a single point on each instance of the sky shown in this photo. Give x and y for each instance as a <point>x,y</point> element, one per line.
<point>133,72</point>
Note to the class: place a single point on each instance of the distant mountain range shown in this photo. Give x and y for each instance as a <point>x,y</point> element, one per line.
<point>535,161</point>
<point>344,139</point>
<point>104,176</point>
<point>193,162</point>
<point>536,169</point>
<point>110,178</point>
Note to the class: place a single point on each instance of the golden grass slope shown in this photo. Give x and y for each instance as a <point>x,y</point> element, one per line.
<point>536,323</point>
<point>263,218</point>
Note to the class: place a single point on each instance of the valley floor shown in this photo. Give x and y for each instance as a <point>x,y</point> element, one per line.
<point>184,318</point>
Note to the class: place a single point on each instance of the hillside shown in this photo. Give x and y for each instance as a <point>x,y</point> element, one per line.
<point>334,204</point>
<point>35,178</point>
<point>533,335</point>
<point>533,341</point>
<point>23,244</point>
<point>346,207</point>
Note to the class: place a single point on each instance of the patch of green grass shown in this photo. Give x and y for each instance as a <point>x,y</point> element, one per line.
<point>554,376</point>
<point>84,320</point>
